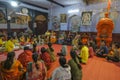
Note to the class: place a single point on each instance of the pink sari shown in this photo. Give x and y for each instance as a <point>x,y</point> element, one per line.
<point>91,52</point>
<point>36,74</point>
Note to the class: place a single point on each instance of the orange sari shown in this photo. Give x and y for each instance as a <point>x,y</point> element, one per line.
<point>13,74</point>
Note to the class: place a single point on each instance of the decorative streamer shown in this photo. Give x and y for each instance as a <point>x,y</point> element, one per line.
<point>109,5</point>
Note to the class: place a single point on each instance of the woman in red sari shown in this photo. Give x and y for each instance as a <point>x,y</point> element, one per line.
<point>11,69</point>
<point>25,57</point>
<point>46,57</point>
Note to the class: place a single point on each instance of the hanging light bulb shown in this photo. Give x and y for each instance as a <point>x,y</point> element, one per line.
<point>14,3</point>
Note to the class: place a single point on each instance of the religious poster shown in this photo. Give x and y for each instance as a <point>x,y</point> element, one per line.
<point>41,24</point>
<point>86,18</point>
<point>55,23</point>
<point>63,18</point>
<point>75,23</point>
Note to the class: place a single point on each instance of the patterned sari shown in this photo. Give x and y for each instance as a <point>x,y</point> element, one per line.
<point>14,73</point>
<point>36,74</point>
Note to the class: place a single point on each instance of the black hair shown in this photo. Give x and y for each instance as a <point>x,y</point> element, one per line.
<point>43,50</point>
<point>34,47</point>
<point>9,37</point>
<point>117,46</point>
<point>9,61</point>
<point>74,56</point>
<point>90,44</point>
<point>50,46</point>
<point>26,48</point>
<point>35,59</point>
<point>62,61</point>
<point>103,41</point>
<point>80,43</point>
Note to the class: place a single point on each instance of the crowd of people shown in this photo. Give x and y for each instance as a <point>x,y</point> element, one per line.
<point>34,63</point>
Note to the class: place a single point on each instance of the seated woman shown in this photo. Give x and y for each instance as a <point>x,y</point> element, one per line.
<point>22,40</point>
<point>114,53</point>
<point>63,72</point>
<point>45,56</point>
<point>91,51</point>
<point>103,51</point>
<point>9,45</point>
<point>28,39</point>
<point>11,69</point>
<point>36,70</point>
<point>35,48</point>
<point>76,69</point>
<point>15,40</point>
<point>63,51</point>
<point>61,37</point>
<point>50,50</point>
<point>75,40</point>
<point>25,57</point>
<point>1,41</point>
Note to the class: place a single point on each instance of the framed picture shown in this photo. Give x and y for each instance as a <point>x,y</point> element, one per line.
<point>63,18</point>
<point>75,23</point>
<point>86,18</point>
<point>55,23</point>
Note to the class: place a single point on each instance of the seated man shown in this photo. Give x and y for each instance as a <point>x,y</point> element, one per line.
<point>25,57</point>
<point>84,53</point>
<point>103,51</point>
<point>114,53</point>
<point>68,40</point>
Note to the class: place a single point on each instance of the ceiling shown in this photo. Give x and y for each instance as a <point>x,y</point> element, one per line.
<point>63,3</point>
<point>52,3</point>
<point>46,4</point>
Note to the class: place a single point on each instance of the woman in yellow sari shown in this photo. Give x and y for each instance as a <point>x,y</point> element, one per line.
<point>1,41</point>
<point>11,69</point>
<point>9,45</point>
<point>22,40</point>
